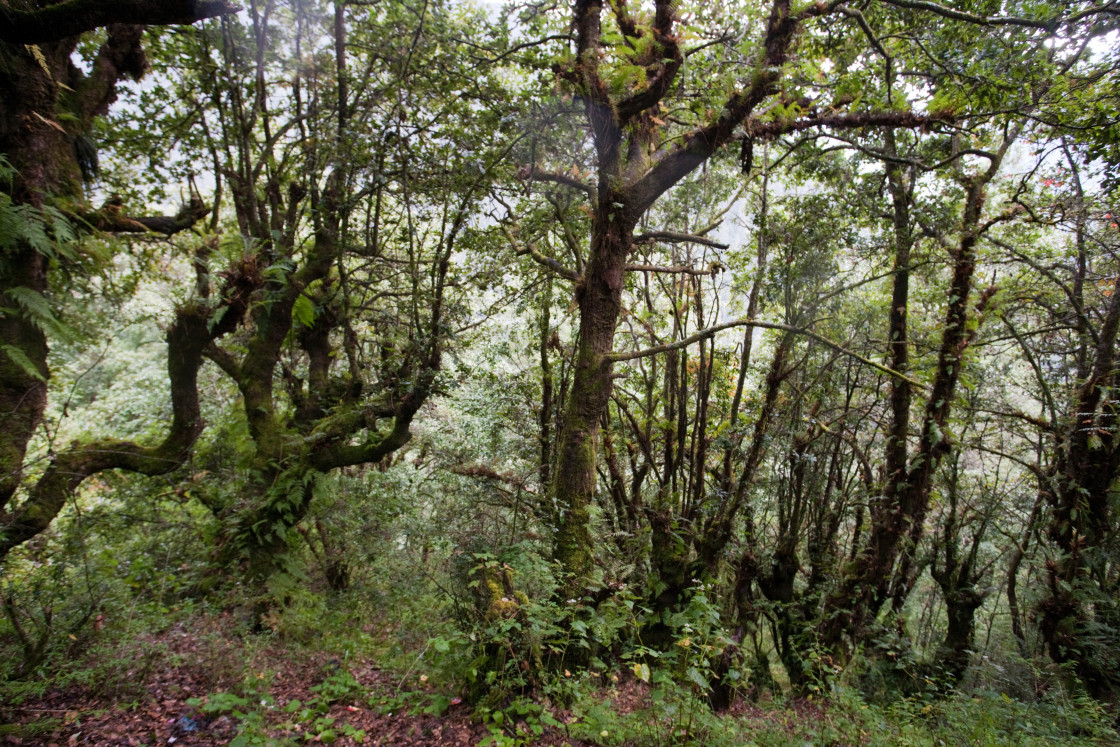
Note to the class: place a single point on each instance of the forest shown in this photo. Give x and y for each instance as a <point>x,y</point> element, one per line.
<point>596,372</point>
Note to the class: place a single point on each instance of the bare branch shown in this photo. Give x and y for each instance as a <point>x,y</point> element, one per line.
<point>535,172</point>
<point>959,15</point>
<point>672,237</point>
<point>710,332</point>
<point>863,25</point>
<point>712,269</point>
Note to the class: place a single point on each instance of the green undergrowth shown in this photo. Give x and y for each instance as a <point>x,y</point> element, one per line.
<point>262,720</point>
<point>670,716</point>
<point>667,713</point>
<point>499,645</point>
<point>643,698</point>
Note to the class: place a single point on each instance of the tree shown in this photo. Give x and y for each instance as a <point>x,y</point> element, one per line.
<point>48,107</point>
<point>627,70</point>
<point>1077,616</point>
<point>351,195</point>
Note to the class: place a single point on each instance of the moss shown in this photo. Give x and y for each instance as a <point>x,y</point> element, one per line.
<point>498,599</point>
<point>500,606</point>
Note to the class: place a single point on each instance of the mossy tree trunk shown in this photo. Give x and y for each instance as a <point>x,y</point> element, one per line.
<point>635,165</point>
<point>1079,613</point>
<point>334,256</point>
<point>898,519</point>
<point>47,107</point>
<point>959,575</point>
<point>600,300</point>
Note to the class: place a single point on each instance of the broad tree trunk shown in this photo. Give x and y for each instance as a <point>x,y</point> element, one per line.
<point>23,395</point>
<point>955,650</point>
<point>45,164</point>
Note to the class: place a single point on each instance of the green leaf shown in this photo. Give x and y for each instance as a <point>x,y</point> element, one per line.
<point>38,311</point>
<point>303,311</point>
<point>697,678</point>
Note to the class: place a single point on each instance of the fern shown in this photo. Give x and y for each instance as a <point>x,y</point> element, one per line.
<point>10,224</point>
<point>34,230</point>
<point>46,230</point>
<point>37,310</point>
<point>18,357</point>
<point>7,171</point>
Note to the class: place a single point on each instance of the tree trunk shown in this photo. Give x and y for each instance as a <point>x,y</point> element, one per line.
<point>599,299</point>
<point>955,651</point>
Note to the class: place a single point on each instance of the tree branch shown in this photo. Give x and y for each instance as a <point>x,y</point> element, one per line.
<point>665,56</point>
<point>712,269</point>
<point>672,237</point>
<point>535,172</point>
<point>710,332</point>
<point>674,165</point>
<point>120,55</point>
<point>110,219</point>
<point>771,130</point>
<point>958,15</point>
<point>186,339</point>
<point>538,256</point>
<point>74,17</point>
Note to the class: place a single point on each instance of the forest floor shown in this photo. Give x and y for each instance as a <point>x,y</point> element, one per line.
<point>162,715</point>
<point>157,702</point>
<point>202,678</point>
<point>176,698</point>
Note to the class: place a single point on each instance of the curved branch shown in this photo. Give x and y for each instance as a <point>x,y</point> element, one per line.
<point>539,257</point>
<point>960,15</point>
<point>705,334</point>
<point>672,166</point>
<point>110,219</point>
<point>535,172</point>
<point>667,60</point>
<point>74,17</point>
<point>186,339</point>
<point>866,28</point>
